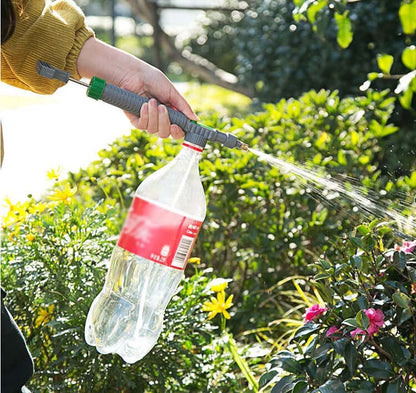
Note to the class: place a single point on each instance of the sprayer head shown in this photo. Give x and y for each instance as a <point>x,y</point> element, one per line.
<point>242,146</point>
<point>45,69</point>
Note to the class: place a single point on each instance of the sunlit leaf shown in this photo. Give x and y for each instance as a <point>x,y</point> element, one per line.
<point>385,62</point>
<point>401,299</point>
<point>407,14</point>
<point>406,99</point>
<point>313,9</point>
<point>409,57</point>
<point>345,35</point>
<point>362,319</point>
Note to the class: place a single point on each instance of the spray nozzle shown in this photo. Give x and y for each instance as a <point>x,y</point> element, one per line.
<point>99,89</point>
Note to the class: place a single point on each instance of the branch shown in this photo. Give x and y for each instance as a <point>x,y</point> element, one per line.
<point>192,63</point>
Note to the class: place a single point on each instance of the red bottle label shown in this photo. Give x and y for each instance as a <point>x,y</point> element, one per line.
<point>158,234</point>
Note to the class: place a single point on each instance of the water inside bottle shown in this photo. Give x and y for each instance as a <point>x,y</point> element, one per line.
<point>127,316</point>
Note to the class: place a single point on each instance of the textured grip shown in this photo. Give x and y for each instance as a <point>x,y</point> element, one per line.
<point>123,99</point>
<point>133,103</point>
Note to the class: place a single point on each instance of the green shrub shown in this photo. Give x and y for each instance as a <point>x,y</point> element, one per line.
<point>361,338</point>
<point>263,223</point>
<point>263,226</point>
<point>278,57</point>
<point>54,258</point>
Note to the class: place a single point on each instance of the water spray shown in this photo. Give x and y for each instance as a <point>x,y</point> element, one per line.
<point>99,89</point>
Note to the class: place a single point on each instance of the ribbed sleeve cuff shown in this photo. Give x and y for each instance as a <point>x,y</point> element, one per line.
<point>82,35</point>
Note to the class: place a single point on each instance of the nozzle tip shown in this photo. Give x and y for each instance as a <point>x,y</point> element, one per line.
<point>244,146</point>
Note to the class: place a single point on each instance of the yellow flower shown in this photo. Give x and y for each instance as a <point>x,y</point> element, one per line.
<point>54,174</point>
<point>64,195</point>
<point>218,305</point>
<point>37,207</point>
<point>16,212</point>
<point>218,284</point>
<point>44,315</point>
<point>30,237</point>
<point>195,260</point>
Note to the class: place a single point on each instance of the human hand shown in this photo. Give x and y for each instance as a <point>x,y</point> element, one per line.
<point>124,70</point>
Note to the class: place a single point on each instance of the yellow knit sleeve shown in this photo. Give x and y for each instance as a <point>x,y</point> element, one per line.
<point>50,31</point>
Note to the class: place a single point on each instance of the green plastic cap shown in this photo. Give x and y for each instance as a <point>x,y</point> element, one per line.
<point>96,88</point>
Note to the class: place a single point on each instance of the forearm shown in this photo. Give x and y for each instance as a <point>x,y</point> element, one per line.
<point>115,66</point>
<point>124,70</point>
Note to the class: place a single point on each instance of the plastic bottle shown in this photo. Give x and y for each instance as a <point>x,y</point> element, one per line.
<point>149,259</point>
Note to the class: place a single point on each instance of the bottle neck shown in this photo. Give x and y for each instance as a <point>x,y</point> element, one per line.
<point>192,146</point>
<point>190,152</point>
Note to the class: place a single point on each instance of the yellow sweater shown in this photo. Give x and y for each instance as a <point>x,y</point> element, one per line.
<point>50,31</point>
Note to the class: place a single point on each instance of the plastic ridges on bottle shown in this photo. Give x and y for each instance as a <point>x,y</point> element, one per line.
<point>149,259</point>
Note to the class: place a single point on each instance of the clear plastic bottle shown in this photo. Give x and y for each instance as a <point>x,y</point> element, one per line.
<point>150,257</point>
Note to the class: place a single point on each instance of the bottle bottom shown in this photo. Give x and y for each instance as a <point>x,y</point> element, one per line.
<point>127,318</point>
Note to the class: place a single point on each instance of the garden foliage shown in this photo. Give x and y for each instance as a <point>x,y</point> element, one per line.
<point>54,258</point>
<point>264,225</point>
<point>278,54</point>
<point>362,337</point>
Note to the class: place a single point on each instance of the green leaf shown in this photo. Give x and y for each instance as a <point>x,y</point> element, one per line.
<point>307,330</point>
<point>365,387</point>
<point>356,241</point>
<point>332,386</point>
<point>377,369</point>
<point>401,299</point>
<point>393,387</point>
<point>384,63</point>
<point>373,76</point>
<point>362,320</point>
<point>407,14</point>
<point>266,378</point>
<point>351,322</point>
<point>406,99</point>
<point>341,158</point>
<point>356,259</point>
<point>300,387</point>
<point>344,36</point>
<point>394,347</point>
<point>325,264</point>
<point>291,366</point>
<point>404,316</point>
<point>313,9</point>
<point>321,351</point>
<point>242,364</point>
<point>351,355</point>
<point>409,57</point>
<point>284,385</point>
<point>363,229</point>
<point>322,276</point>
<point>399,260</point>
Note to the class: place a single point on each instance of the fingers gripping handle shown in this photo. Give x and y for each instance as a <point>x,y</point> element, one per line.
<point>130,102</point>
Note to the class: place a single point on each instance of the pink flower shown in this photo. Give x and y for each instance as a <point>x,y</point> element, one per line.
<point>333,331</point>
<point>357,332</point>
<point>314,312</point>
<point>376,318</point>
<point>406,247</point>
